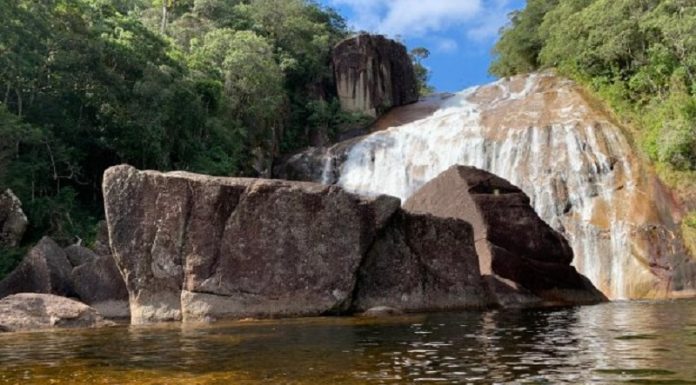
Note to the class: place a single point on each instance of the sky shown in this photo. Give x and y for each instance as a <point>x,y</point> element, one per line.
<point>458,33</point>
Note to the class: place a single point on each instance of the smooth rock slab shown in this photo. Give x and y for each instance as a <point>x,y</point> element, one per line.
<point>35,311</point>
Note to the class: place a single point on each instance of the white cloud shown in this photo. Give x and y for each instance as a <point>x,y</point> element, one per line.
<point>477,19</point>
<point>446,45</point>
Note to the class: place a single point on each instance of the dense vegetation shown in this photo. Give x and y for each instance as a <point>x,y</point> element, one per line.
<point>638,55</point>
<point>212,86</point>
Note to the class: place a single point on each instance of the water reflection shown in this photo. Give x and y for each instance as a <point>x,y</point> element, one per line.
<point>644,342</point>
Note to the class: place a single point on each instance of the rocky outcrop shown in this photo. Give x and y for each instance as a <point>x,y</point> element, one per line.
<point>421,263</point>
<point>101,243</point>
<point>545,135</point>
<point>99,283</point>
<point>372,74</point>
<point>79,255</point>
<point>194,248</point>
<point>512,242</point>
<point>13,222</point>
<point>45,269</point>
<point>32,311</point>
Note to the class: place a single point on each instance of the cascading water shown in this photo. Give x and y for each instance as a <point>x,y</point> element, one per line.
<point>578,168</point>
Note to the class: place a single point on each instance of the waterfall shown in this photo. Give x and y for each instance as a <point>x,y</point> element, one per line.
<point>539,133</point>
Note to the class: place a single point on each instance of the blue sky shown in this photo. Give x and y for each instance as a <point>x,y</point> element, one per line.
<point>458,33</point>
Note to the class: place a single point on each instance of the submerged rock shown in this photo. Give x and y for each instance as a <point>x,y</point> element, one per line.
<point>512,242</point>
<point>13,222</point>
<point>381,311</point>
<point>45,269</point>
<point>372,74</point>
<point>34,311</point>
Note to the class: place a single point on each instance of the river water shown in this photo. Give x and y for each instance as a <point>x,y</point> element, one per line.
<point>614,343</point>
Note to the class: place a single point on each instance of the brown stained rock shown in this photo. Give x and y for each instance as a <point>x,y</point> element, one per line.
<point>511,240</point>
<point>99,283</point>
<point>13,222</point>
<point>373,74</point>
<point>199,248</point>
<point>33,311</point>
<point>45,269</point>
<point>420,263</point>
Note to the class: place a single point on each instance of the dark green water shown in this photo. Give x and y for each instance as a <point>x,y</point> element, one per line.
<point>622,342</point>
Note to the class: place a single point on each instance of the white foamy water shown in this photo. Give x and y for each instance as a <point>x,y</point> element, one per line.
<point>579,171</point>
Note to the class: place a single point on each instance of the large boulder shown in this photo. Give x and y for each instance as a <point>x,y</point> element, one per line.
<point>421,263</point>
<point>33,311</point>
<point>373,74</point>
<point>515,247</point>
<point>99,284</point>
<point>198,247</point>
<point>45,269</point>
<point>79,255</point>
<point>13,222</point>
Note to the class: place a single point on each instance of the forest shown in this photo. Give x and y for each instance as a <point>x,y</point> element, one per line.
<point>639,56</point>
<point>213,86</point>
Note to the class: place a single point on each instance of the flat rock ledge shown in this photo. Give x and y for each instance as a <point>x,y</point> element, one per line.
<point>36,311</point>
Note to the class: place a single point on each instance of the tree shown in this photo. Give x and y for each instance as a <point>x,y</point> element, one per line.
<point>419,54</point>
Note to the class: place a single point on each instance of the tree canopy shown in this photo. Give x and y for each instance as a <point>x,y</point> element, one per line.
<point>640,56</point>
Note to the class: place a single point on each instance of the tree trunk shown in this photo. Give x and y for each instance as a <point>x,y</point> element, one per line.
<point>163,25</point>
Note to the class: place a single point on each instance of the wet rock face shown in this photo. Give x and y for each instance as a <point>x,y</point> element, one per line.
<point>13,222</point>
<point>373,74</point>
<point>197,248</point>
<point>511,240</point>
<point>45,269</point>
<point>33,311</point>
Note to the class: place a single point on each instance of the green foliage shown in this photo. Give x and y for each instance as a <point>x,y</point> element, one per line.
<point>86,84</point>
<point>640,56</point>
<point>9,259</point>
<point>419,54</point>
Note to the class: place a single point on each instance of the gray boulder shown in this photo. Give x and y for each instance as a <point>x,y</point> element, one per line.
<point>45,269</point>
<point>99,284</point>
<point>79,255</point>
<point>13,222</point>
<point>34,311</point>
<point>199,248</point>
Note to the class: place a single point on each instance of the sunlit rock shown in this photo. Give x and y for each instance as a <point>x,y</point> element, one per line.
<point>373,74</point>
<point>34,311</point>
<point>543,134</point>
